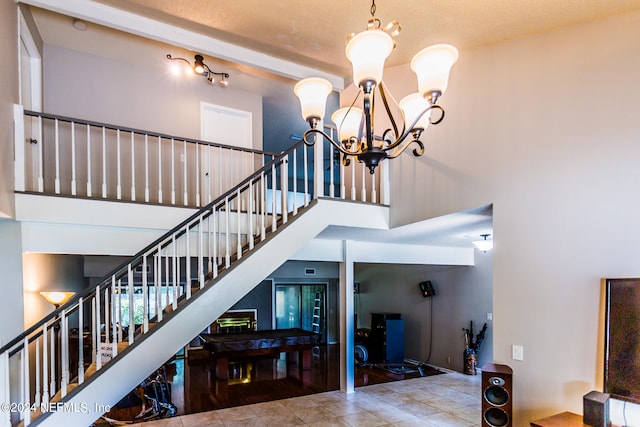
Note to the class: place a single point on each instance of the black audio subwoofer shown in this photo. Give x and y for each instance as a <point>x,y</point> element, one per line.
<point>497,399</point>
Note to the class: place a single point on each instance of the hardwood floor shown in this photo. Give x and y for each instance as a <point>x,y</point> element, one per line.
<point>195,389</point>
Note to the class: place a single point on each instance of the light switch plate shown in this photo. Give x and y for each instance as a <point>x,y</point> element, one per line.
<point>517,352</point>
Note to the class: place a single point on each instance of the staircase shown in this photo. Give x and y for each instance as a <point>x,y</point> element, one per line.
<point>187,279</point>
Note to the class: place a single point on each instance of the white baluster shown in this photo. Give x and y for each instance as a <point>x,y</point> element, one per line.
<point>118,166</point>
<point>295,181</point>
<point>64,357</point>
<point>80,341</point>
<point>263,207</point>
<point>353,180</point>
<point>145,293</point>
<point>104,162</point>
<point>73,158</point>
<point>159,169</point>
<point>94,338</point>
<point>227,230</point>
<point>107,311</point>
<point>37,387</point>
<point>146,168</point>
<point>57,156</point>
<point>331,181</point>
<point>185,196</point>
<point>209,174</point>
<point>97,328</point>
<point>215,212</point>
<point>374,193</point>
<point>115,320</point>
<point>274,199</point>
<point>197,148</point>
<point>45,365</point>
<point>306,175</point>
<point>133,168</point>
<point>250,215</point>
<point>176,290</point>
<point>119,310</point>
<point>238,221</point>
<point>173,172</point>
<point>220,171</point>
<point>5,387</point>
<point>52,355</point>
<point>284,188</point>
<point>40,157</point>
<point>26,383</point>
<point>364,184</point>
<point>89,189</point>
<point>343,187</point>
<point>201,252</point>
<point>132,323</point>
<point>187,275</point>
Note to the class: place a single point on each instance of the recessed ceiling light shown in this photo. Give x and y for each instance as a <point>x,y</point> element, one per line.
<point>79,25</point>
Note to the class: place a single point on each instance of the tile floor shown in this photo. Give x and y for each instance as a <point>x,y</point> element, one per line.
<point>448,400</point>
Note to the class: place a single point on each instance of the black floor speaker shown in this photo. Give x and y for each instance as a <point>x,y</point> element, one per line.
<point>497,395</point>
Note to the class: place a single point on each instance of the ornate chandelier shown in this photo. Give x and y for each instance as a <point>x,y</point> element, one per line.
<point>367,52</point>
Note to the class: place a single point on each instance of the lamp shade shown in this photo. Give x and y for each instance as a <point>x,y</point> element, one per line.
<point>367,51</point>
<point>57,298</point>
<point>347,120</point>
<point>432,65</point>
<point>412,106</point>
<point>313,93</point>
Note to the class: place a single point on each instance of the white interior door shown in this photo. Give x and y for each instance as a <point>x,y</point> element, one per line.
<point>224,125</point>
<point>220,168</point>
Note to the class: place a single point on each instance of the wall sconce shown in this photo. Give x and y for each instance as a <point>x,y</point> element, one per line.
<point>57,298</point>
<point>202,69</point>
<point>484,245</point>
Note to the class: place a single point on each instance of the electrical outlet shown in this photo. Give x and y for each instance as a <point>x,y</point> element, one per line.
<point>489,316</point>
<point>517,352</point>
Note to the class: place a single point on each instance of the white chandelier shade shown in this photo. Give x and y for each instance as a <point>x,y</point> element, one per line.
<point>432,66</point>
<point>413,106</point>
<point>313,93</point>
<point>368,51</point>
<point>347,120</point>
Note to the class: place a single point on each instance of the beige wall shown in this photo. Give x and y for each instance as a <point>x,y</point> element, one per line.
<point>97,88</point>
<point>547,129</point>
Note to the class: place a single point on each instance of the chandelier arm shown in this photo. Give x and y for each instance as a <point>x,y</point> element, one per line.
<point>389,114</point>
<point>409,131</point>
<point>310,143</point>
<point>416,151</point>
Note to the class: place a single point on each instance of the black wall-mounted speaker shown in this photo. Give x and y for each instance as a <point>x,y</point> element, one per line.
<point>596,409</point>
<point>497,395</point>
<point>426,288</point>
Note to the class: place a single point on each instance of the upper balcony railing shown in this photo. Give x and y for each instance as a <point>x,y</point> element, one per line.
<point>62,156</point>
<point>71,157</point>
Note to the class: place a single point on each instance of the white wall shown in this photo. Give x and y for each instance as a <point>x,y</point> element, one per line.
<point>150,98</point>
<point>546,128</point>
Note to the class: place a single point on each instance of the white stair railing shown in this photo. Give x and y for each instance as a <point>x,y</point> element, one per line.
<point>79,338</point>
<point>59,155</point>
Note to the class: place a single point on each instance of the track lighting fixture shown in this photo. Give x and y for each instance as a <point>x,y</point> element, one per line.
<point>200,68</point>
